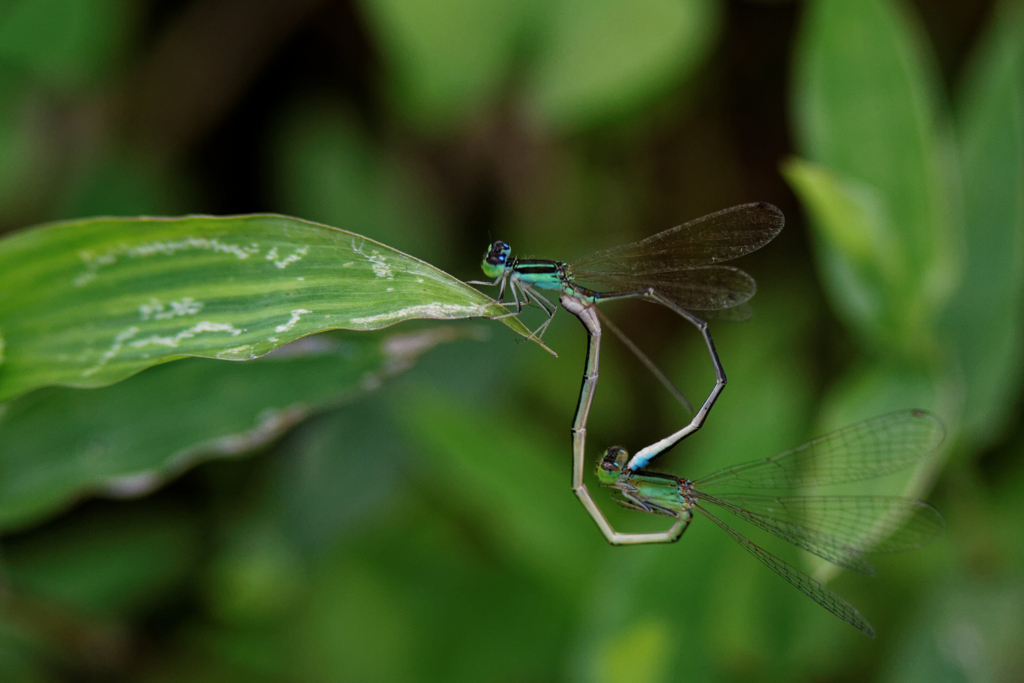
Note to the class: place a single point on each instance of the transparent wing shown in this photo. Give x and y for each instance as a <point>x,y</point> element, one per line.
<point>703,288</point>
<point>866,450</point>
<point>815,590</point>
<point>736,314</point>
<point>839,529</point>
<point>711,239</point>
<point>647,362</point>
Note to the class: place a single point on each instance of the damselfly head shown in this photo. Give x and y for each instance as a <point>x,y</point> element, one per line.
<point>496,258</point>
<point>609,469</point>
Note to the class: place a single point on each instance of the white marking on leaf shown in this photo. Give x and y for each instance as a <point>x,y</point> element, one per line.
<point>198,328</point>
<point>377,262</point>
<point>93,262</point>
<point>109,354</point>
<point>157,311</point>
<point>237,352</point>
<point>296,315</point>
<point>188,243</point>
<point>283,262</point>
<point>435,310</point>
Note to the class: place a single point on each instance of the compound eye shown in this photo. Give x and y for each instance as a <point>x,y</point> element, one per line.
<point>614,459</point>
<point>498,254</point>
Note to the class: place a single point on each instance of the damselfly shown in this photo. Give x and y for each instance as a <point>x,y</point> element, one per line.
<point>840,529</point>
<point>677,267</point>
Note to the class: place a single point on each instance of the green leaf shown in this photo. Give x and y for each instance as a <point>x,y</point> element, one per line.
<point>985,319</point>
<point>867,108</point>
<point>604,58</point>
<point>446,58</point>
<point>856,250</point>
<point>58,444</point>
<point>90,302</point>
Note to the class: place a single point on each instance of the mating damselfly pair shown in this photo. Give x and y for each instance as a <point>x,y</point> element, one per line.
<point>679,269</point>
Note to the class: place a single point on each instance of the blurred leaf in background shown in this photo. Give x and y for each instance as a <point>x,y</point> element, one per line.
<point>589,60</point>
<point>896,204</point>
<point>447,59</point>
<point>868,110</point>
<point>917,208</point>
<point>984,319</point>
<point>120,441</point>
<point>597,60</point>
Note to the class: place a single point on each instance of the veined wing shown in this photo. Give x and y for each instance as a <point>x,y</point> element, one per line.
<point>815,590</point>
<point>839,529</point>
<point>704,288</point>
<point>866,450</point>
<point>711,239</point>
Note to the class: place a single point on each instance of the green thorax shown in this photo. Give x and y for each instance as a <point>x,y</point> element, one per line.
<point>661,490</point>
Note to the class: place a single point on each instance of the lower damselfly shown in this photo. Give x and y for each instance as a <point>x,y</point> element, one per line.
<point>771,494</point>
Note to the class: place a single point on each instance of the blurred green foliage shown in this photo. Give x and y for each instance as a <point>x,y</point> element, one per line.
<point>379,523</point>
